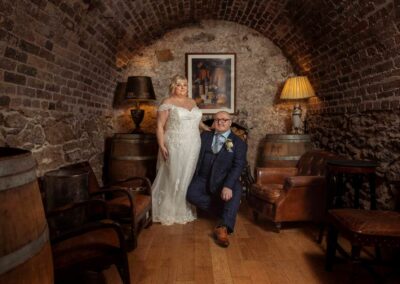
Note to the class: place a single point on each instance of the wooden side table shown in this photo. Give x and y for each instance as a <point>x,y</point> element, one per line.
<point>353,171</point>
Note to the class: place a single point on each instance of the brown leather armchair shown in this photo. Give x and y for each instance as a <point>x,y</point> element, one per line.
<point>292,194</point>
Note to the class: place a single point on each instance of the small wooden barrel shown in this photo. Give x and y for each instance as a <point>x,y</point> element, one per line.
<point>25,254</point>
<point>62,187</point>
<point>283,150</point>
<point>133,155</point>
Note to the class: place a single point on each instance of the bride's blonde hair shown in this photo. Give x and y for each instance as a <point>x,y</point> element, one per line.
<point>174,82</point>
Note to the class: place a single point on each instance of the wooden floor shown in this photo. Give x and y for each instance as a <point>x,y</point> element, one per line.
<point>188,254</point>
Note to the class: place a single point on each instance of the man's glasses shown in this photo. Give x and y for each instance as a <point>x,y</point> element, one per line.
<point>218,120</point>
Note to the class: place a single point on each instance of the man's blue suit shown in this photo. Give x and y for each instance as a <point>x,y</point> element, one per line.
<point>215,171</point>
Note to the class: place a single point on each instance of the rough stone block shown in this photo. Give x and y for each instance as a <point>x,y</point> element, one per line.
<point>164,55</point>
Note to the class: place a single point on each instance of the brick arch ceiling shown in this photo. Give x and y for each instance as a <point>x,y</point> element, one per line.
<point>341,44</point>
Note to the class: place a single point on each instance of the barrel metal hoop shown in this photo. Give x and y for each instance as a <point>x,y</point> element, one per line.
<point>282,158</point>
<point>24,163</point>
<point>8,182</point>
<point>138,158</point>
<point>9,261</point>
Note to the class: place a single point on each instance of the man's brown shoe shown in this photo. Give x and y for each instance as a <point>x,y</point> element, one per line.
<point>221,236</point>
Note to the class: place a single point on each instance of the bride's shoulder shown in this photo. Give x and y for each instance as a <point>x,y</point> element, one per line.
<point>165,104</point>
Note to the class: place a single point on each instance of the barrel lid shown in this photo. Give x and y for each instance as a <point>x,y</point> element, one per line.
<point>9,153</point>
<point>15,160</point>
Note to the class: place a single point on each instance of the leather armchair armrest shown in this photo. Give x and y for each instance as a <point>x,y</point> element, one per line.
<point>274,175</point>
<point>304,181</point>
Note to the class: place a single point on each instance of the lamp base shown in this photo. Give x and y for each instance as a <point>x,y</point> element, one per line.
<point>297,123</point>
<point>137,117</point>
<point>137,131</point>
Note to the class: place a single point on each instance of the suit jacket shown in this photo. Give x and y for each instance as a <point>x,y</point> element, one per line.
<point>228,165</point>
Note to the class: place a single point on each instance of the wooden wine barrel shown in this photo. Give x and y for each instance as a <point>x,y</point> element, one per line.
<point>62,187</point>
<point>132,155</point>
<point>283,150</point>
<point>25,254</point>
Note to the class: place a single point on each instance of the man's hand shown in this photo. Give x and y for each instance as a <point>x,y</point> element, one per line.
<point>226,194</point>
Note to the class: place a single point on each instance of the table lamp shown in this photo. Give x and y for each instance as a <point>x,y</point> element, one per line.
<point>297,88</point>
<point>138,89</point>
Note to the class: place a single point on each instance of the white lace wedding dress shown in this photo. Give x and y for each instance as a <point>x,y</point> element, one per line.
<point>182,139</point>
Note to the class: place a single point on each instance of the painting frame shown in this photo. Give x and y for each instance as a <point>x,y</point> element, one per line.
<point>212,81</point>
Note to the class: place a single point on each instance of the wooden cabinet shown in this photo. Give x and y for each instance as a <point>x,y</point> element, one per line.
<point>132,155</point>
<point>283,150</point>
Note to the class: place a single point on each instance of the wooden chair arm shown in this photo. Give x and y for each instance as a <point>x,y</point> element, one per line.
<point>125,184</point>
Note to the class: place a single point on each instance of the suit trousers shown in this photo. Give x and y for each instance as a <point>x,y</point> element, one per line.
<point>199,195</point>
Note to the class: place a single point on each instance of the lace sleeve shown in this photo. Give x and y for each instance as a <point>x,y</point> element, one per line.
<point>163,107</point>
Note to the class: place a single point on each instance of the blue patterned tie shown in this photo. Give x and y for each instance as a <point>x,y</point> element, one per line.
<point>218,142</point>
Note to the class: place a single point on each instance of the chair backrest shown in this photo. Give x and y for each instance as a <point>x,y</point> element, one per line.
<point>313,162</point>
<point>237,129</point>
<point>93,185</point>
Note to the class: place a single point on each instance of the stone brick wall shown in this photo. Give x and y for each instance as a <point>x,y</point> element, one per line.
<point>357,68</point>
<point>260,70</point>
<point>57,74</point>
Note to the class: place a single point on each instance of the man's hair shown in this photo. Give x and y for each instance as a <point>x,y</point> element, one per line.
<point>222,111</point>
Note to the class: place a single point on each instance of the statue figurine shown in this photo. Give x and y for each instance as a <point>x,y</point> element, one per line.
<point>297,123</point>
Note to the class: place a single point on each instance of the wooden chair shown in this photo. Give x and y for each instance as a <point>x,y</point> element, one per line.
<point>93,245</point>
<point>375,228</point>
<point>128,201</point>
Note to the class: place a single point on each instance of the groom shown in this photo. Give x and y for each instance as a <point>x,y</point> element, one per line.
<point>215,186</point>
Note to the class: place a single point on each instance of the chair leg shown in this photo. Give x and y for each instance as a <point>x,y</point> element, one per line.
<point>278,226</point>
<point>321,233</point>
<point>255,216</point>
<point>331,247</point>
<point>123,269</point>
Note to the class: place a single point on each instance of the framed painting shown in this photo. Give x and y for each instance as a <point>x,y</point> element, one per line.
<point>211,81</point>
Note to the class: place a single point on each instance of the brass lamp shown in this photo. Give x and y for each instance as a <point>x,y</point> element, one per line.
<point>139,88</point>
<point>297,88</point>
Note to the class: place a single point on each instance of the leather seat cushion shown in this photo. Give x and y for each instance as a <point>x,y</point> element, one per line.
<point>367,222</point>
<point>85,248</point>
<point>120,206</point>
<point>267,192</point>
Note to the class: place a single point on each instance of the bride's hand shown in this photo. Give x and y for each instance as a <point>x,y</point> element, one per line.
<point>164,152</point>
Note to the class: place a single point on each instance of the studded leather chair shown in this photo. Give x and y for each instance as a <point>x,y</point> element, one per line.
<point>293,193</point>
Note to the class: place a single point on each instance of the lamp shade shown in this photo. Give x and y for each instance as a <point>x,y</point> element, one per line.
<point>297,88</point>
<point>139,88</point>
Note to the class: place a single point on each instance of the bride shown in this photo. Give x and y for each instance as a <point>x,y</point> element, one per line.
<point>178,137</point>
